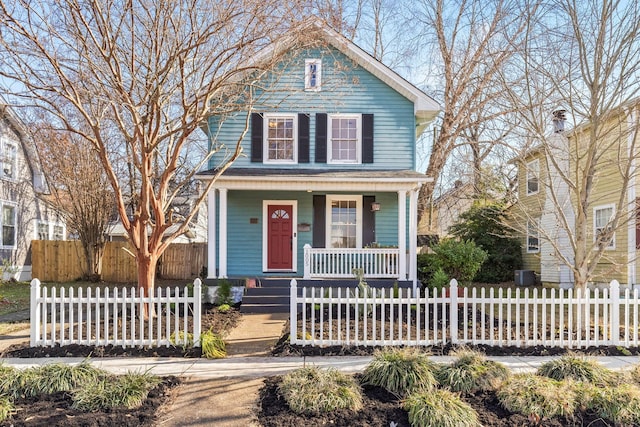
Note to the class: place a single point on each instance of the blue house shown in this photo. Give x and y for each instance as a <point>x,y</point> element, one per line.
<point>328,183</point>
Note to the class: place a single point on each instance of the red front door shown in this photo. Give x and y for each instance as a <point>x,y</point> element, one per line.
<point>280,237</point>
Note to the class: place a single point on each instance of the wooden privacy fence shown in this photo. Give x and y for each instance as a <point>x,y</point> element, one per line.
<point>115,316</point>
<point>63,261</point>
<point>521,317</point>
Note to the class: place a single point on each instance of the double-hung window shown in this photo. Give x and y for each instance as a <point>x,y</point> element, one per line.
<point>8,226</point>
<point>602,232</point>
<point>533,236</point>
<point>9,159</point>
<point>280,142</point>
<point>533,174</point>
<point>344,135</point>
<point>344,227</point>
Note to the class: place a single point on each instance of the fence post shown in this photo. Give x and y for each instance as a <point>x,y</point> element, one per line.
<point>614,289</point>
<point>293,310</point>
<point>197,311</point>
<point>453,310</point>
<point>307,261</point>
<point>35,312</point>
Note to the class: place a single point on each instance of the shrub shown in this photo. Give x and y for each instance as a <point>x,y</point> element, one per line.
<point>128,391</point>
<point>224,308</point>
<point>213,346</point>
<point>576,368</point>
<point>313,391</point>
<point>620,404</point>
<point>533,395</point>
<point>400,371</point>
<point>439,408</point>
<point>471,372</point>
<point>460,260</point>
<point>6,408</point>
<point>223,294</point>
<point>485,225</point>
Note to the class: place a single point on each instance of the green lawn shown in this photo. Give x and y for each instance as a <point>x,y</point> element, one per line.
<point>14,296</point>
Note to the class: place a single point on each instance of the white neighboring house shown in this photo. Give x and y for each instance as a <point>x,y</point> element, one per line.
<point>25,214</point>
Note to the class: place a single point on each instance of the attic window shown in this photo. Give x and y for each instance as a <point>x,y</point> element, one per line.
<point>312,74</point>
<point>8,157</point>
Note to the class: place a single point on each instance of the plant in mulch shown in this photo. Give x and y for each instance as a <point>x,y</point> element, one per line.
<point>439,408</point>
<point>471,371</point>
<point>313,391</point>
<point>182,339</point>
<point>400,371</point>
<point>620,404</point>
<point>128,391</point>
<point>577,368</point>
<point>6,408</point>
<point>538,397</point>
<point>213,346</point>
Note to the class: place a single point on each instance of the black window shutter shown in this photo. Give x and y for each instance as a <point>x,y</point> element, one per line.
<point>319,220</point>
<point>303,138</point>
<point>368,221</point>
<point>256,137</point>
<point>321,138</point>
<point>367,138</point>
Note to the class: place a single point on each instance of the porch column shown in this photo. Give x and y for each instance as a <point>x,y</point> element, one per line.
<point>211,234</point>
<point>413,239</point>
<point>402,234</point>
<point>222,272</point>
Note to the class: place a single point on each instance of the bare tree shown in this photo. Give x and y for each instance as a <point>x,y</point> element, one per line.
<point>585,59</point>
<point>79,190</point>
<point>136,80</point>
<point>474,40</point>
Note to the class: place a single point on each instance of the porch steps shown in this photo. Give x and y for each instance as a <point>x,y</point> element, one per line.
<point>269,296</point>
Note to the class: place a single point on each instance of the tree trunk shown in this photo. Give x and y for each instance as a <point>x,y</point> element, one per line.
<point>146,278</point>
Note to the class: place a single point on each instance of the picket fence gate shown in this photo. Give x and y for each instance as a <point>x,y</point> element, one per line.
<point>115,316</point>
<point>513,317</point>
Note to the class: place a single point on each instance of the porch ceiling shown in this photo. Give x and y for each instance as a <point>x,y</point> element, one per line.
<point>317,180</point>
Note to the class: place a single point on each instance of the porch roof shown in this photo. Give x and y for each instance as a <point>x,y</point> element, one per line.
<point>295,179</point>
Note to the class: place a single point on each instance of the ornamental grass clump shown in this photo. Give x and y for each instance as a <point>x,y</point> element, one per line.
<point>576,368</point>
<point>128,391</point>
<point>619,404</point>
<point>400,371</point>
<point>6,408</point>
<point>472,372</point>
<point>538,397</point>
<point>312,391</point>
<point>439,408</point>
<point>213,346</point>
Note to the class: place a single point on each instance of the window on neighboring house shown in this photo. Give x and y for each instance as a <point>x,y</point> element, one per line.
<point>602,231</point>
<point>43,231</point>
<point>58,232</point>
<point>533,236</point>
<point>533,174</point>
<point>344,221</point>
<point>8,226</point>
<point>280,142</point>
<point>9,159</point>
<point>344,133</point>
<point>312,74</point>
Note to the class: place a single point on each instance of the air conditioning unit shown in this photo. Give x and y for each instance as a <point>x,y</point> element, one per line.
<point>525,278</point>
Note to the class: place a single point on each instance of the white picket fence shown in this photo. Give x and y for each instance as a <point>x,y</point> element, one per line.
<point>506,317</point>
<point>114,316</point>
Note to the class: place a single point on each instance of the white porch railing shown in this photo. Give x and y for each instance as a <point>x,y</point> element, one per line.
<point>334,263</point>
<point>116,316</point>
<point>521,317</point>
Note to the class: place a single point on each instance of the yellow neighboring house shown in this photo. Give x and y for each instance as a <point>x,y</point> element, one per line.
<point>556,174</point>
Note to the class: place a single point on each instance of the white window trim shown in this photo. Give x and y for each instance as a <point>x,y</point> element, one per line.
<point>330,198</point>
<point>4,141</point>
<point>15,226</point>
<point>533,165</point>
<point>611,206</point>
<point>265,138</point>
<point>265,234</point>
<point>358,118</point>
<point>307,75</point>
<point>535,223</point>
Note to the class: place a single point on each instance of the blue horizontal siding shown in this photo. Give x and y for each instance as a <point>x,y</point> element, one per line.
<point>346,88</point>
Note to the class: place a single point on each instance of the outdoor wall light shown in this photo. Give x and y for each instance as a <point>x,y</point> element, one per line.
<point>375,206</point>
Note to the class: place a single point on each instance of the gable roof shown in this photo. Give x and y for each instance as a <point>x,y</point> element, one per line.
<point>425,108</point>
